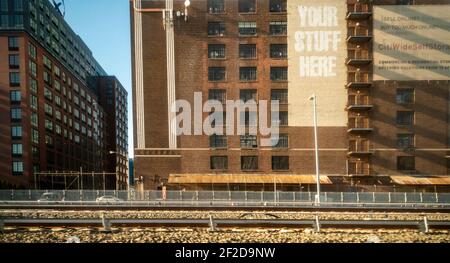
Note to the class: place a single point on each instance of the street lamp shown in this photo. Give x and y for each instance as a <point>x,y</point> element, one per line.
<point>313,98</point>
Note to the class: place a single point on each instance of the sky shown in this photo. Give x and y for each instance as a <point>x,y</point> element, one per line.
<point>104,25</point>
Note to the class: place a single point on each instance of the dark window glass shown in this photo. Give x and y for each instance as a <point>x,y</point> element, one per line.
<point>13,43</point>
<point>3,5</point>
<point>406,163</point>
<point>248,94</point>
<point>15,96</point>
<point>218,141</point>
<point>281,95</point>
<point>218,94</point>
<point>14,61</point>
<point>17,168</point>
<point>216,28</point>
<point>280,163</point>
<point>219,163</point>
<point>282,118</point>
<point>216,74</point>
<point>249,141</point>
<point>278,51</point>
<point>277,5</point>
<point>247,6</point>
<point>16,132</point>
<point>247,28</point>
<point>279,73</point>
<point>17,149</point>
<point>216,51</point>
<point>14,79</point>
<point>278,28</point>
<point>248,118</point>
<point>216,6</point>
<point>282,142</point>
<point>247,74</point>
<point>249,163</point>
<point>247,51</point>
<point>405,96</point>
<point>405,141</point>
<point>16,114</point>
<point>405,118</point>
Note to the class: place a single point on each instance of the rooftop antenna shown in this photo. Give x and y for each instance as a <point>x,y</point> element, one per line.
<point>58,6</point>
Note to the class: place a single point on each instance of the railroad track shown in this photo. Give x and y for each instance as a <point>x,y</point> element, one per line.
<point>211,223</point>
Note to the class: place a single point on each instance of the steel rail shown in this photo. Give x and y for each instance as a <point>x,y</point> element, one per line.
<point>244,223</point>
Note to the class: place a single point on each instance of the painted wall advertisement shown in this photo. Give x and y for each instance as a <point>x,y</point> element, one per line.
<point>317,50</point>
<point>412,42</point>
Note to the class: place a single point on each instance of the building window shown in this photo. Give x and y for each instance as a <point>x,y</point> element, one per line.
<point>33,68</point>
<point>249,163</point>
<point>247,74</point>
<point>34,102</point>
<point>34,119</point>
<point>282,118</point>
<point>4,21</point>
<point>17,150</point>
<point>216,6</point>
<point>405,96</point>
<point>34,136</point>
<point>15,96</point>
<point>16,114</point>
<point>18,5</point>
<point>48,94</point>
<point>32,51</point>
<point>405,141</point>
<point>278,51</point>
<point>405,118</point>
<point>282,142</point>
<point>13,43</point>
<point>247,6</point>
<point>48,109</point>
<point>278,73</point>
<point>216,74</point>
<point>406,163</point>
<point>248,95</point>
<point>33,85</point>
<point>280,95</point>
<point>3,5</point>
<point>35,152</point>
<point>216,51</point>
<point>48,125</point>
<point>16,132</point>
<point>17,168</point>
<point>14,79</point>
<point>218,94</point>
<point>218,141</point>
<point>247,51</point>
<point>247,28</point>
<point>219,118</point>
<point>47,78</point>
<point>278,28</point>
<point>14,61</point>
<point>280,163</point>
<point>219,162</point>
<point>49,140</point>
<point>249,141</point>
<point>277,6</point>
<point>216,28</point>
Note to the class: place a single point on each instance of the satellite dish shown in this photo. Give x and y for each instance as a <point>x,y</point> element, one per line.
<point>60,6</point>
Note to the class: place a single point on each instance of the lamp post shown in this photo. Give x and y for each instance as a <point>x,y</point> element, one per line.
<point>316,148</point>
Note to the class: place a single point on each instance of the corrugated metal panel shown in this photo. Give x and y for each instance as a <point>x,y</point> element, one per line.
<point>411,180</point>
<point>245,179</point>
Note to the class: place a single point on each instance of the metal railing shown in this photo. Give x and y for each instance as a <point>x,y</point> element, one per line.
<point>223,197</point>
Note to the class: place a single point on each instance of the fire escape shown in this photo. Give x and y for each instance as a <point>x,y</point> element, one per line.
<point>359,85</point>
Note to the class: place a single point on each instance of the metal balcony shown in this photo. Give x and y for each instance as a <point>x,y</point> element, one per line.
<point>359,11</point>
<point>359,103</point>
<point>358,58</point>
<point>359,149</point>
<point>359,35</point>
<point>358,169</point>
<point>359,80</point>
<point>359,126</point>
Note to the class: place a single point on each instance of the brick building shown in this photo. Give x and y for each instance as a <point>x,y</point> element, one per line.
<point>379,126</point>
<point>53,123</point>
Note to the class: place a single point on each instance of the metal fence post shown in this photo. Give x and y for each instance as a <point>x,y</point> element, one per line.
<point>309,196</point>
<point>229,195</point>
<point>196,195</point>
<point>357,197</point>
<point>12,194</point>
<point>406,198</point>
<point>29,194</point>
<point>373,195</point>
<point>421,197</point>
<point>326,197</point>
<point>342,197</point>
<point>437,197</point>
<point>389,195</point>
